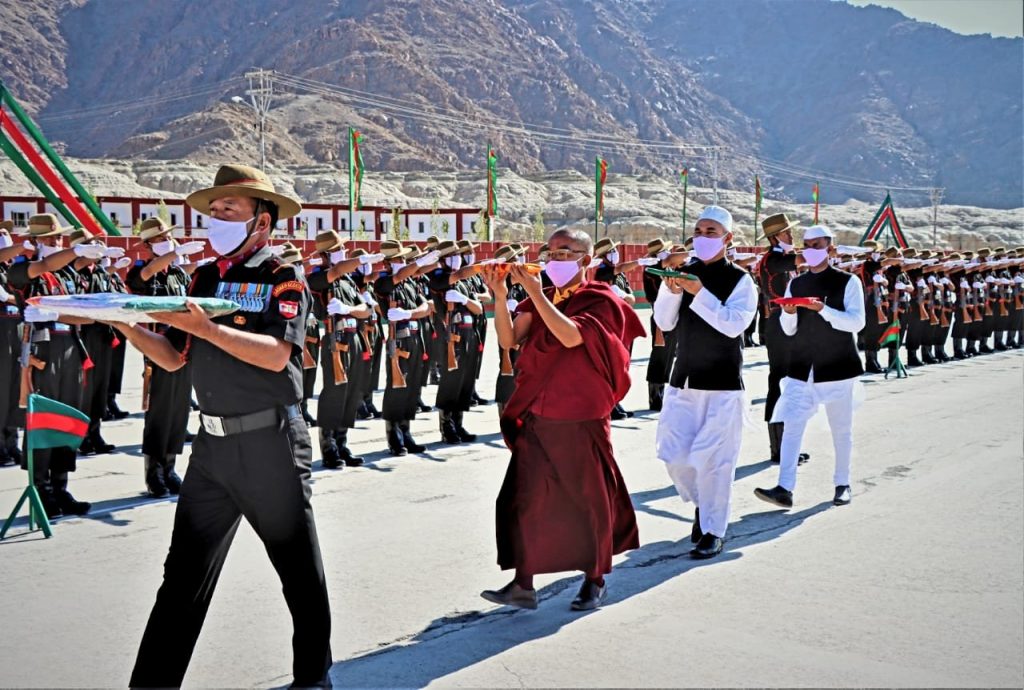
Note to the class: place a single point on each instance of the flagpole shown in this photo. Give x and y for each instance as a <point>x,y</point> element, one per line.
<point>597,193</point>
<point>351,178</point>
<point>36,512</point>
<point>686,183</point>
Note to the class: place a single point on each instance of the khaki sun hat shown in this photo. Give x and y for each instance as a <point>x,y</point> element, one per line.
<point>242,180</point>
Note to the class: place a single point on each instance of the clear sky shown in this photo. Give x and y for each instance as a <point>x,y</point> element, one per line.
<point>996,17</point>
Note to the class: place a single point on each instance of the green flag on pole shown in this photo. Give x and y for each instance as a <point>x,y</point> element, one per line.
<point>492,183</point>
<point>684,177</point>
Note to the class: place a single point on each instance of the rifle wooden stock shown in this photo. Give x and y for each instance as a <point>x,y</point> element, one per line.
<point>933,319</point>
<point>397,377</point>
<point>1003,311</point>
<point>659,337</point>
<point>966,315</point>
<point>147,379</point>
<point>1018,303</point>
<point>923,311</point>
<point>453,337</point>
<point>880,315</point>
<point>943,319</point>
<point>988,307</point>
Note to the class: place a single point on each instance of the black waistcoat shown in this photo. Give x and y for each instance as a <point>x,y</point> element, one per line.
<point>706,358</point>
<point>831,352</point>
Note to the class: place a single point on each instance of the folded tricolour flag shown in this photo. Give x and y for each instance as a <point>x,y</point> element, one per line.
<point>51,424</point>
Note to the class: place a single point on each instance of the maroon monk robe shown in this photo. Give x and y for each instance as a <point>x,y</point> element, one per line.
<point>563,504</point>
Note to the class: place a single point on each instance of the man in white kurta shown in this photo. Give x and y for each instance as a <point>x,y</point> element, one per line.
<point>701,421</point>
<point>824,369</point>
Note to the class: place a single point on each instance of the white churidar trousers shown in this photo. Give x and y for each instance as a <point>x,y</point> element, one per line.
<point>698,439</point>
<point>798,404</point>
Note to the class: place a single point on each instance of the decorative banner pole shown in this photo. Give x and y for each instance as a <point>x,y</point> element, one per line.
<point>600,175</point>
<point>7,99</point>
<point>814,195</point>
<point>48,424</point>
<point>492,191</point>
<point>38,182</point>
<point>757,204</point>
<point>355,176</point>
<point>685,177</point>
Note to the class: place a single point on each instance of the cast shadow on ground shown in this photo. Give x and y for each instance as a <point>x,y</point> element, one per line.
<point>452,643</point>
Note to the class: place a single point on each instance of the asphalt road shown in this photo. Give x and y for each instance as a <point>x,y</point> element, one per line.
<point>919,582</point>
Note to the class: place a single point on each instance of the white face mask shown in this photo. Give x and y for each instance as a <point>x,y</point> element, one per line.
<point>397,266</point>
<point>469,258</point>
<point>338,256</point>
<point>520,259</point>
<point>707,248</point>
<point>815,257</point>
<point>105,262</point>
<point>453,262</point>
<point>785,247</point>
<point>613,257</point>
<point>365,269</point>
<point>227,236</point>
<point>6,241</point>
<point>662,256</point>
<point>162,248</point>
<point>45,251</point>
<point>875,256</point>
<point>561,272</point>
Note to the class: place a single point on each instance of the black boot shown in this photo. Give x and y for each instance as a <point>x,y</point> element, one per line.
<point>1000,345</point>
<point>435,375</point>
<point>984,348</point>
<point>68,504</point>
<point>619,412</point>
<point>926,355</point>
<point>155,485</point>
<point>341,441</point>
<point>408,441</point>
<point>477,400</point>
<point>396,442</point>
<point>871,364</point>
<point>49,500</point>
<point>655,396</point>
<point>940,353</point>
<point>371,408</point>
<point>362,412</point>
<point>464,435</point>
<point>775,441</point>
<point>972,348</point>
<point>113,410</point>
<point>99,446</point>
<point>329,452</point>
<point>306,416</point>
<point>912,360</point>
<point>958,349</point>
<point>449,434</point>
<point>424,407</point>
<point>171,478</point>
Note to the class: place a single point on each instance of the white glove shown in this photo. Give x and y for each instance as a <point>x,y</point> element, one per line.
<point>455,297</point>
<point>34,314</point>
<point>921,283</point>
<point>370,259</point>
<point>428,259</point>
<point>648,261</point>
<point>277,250</point>
<point>190,248</point>
<point>338,308</point>
<point>990,279</point>
<point>399,314</point>
<point>901,286</point>
<point>661,256</point>
<point>878,278</point>
<point>123,262</point>
<point>315,261</point>
<point>619,291</point>
<point>511,304</point>
<point>977,286</point>
<point>207,260</point>
<point>1018,279</point>
<point>368,298</point>
<point>4,295</point>
<point>932,280</point>
<point>28,245</point>
<point>114,252</point>
<point>89,251</point>
<point>964,285</point>
<point>946,281</point>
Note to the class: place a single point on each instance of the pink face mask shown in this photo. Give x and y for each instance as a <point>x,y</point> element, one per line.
<point>561,273</point>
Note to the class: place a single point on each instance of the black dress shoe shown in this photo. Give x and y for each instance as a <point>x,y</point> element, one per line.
<point>590,596</point>
<point>189,437</point>
<point>512,595</point>
<point>69,506</point>
<point>709,546</point>
<point>843,496</point>
<point>802,459</point>
<point>777,496</point>
<point>695,533</point>
<point>331,457</point>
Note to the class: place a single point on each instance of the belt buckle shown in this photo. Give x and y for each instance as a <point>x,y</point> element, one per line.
<point>213,425</point>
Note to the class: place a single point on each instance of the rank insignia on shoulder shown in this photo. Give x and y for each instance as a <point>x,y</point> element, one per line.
<point>251,297</point>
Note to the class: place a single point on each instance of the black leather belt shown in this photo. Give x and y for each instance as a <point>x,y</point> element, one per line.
<point>229,426</point>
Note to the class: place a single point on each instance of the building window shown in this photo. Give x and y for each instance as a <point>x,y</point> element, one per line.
<point>422,227</point>
<point>143,216</point>
<point>19,218</point>
<point>174,219</point>
<point>113,219</point>
<point>343,222</point>
<point>199,221</point>
<point>319,224</point>
<point>472,226</point>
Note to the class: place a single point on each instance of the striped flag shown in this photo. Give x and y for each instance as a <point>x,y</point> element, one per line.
<point>891,335</point>
<point>684,176</point>
<point>51,424</point>
<point>492,183</point>
<point>814,195</point>
<point>355,170</point>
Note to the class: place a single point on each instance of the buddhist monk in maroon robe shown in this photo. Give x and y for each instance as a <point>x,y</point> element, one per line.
<point>563,504</point>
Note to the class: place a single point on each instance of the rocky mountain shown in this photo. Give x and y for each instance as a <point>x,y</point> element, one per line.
<point>792,90</point>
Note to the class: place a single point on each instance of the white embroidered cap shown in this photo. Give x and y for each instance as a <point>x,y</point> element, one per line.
<point>816,232</point>
<point>717,214</point>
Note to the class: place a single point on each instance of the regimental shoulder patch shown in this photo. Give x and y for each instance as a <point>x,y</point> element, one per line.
<point>288,310</point>
<point>288,285</point>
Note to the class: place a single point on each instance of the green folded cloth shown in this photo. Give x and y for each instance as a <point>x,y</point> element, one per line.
<point>118,306</point>
<point>666,273</point>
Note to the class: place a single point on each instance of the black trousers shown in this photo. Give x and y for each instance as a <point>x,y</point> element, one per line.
<point>117,368</point>
<point>10,372</point>
<point>60,380</point>
<point>401,404</point>
<point>777,344</point>
<point>264,476</point>
<point>455,391</point>
<point>98,343</point>
<point>170,392</point>
<point>659,366</point>
<point>338,403</point>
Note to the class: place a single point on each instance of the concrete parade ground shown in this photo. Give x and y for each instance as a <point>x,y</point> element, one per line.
<point>919,582</point>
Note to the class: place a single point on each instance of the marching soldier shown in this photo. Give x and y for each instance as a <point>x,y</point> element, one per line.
<point>479,292</point>
<point>53,356</point>
<point>963,305</point>
<point>10,351</point>
<point>660,362</point>
<point>165,394</point>
<point>339,304</point>
<point>291,256</point>
<point>405,350</point>
<point>373,334</point>
<point>427,333</point>
<point>117,284</point>
<point>876,303</point>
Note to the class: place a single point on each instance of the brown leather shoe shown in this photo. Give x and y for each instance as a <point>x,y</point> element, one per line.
<point>512,595</point>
